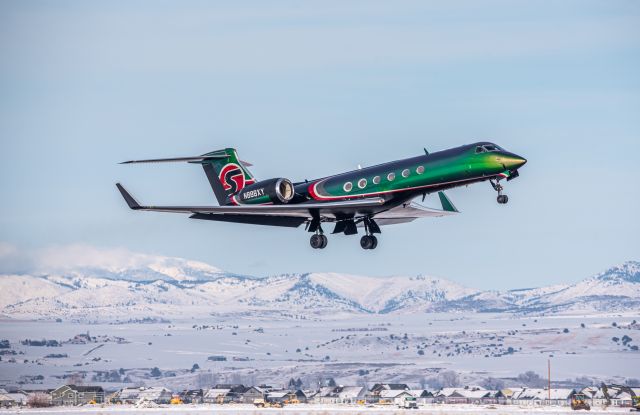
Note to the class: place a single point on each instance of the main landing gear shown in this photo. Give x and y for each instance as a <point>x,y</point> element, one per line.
<point>502,199</point>
<point>348,226</point>
<point>318,241</point>
<point>369,242</point>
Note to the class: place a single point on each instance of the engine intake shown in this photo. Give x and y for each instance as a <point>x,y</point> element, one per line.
<point>278,191</point>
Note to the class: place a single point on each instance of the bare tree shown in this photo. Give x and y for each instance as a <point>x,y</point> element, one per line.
<point>449,379</point>
<point>39,400</point>
<point>492,383</point>
<point>531,379</point>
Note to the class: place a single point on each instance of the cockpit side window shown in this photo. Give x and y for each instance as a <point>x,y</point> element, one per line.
<point>490,147</point>
<point>480,149</point>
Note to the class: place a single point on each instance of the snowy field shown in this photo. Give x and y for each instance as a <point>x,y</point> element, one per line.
<point>313,410</point>
<point>351,350</point>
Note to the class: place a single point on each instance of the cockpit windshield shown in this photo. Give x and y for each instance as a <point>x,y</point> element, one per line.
<point>487,148</point>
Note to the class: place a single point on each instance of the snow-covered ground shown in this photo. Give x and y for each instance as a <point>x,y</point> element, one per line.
<point>354,351</point>
<point>356,329</point>
<point>311,410</point>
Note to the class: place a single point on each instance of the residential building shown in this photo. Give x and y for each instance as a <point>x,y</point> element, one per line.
<point>218,396</point>
<point>191,395</point>
<point>253,393</point>
<point>422,396</point>
<point>70,395</point>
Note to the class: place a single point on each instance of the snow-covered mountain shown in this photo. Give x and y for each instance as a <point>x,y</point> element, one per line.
<point>153,286</point>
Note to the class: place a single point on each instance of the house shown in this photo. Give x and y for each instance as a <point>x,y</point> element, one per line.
<point>218,396</point>
<point>19,397</point>
<point>388,386</point>
<point>191,395</point>
<point>537,396</point>
<point>278,396</point>
<point>509,393</point>
<point>127,396</point>
<point>253,393</point>
<point>286,396</point>
<point>393,396</point>
<point>326,394</point>
<point>158,395</point>
<point>422,396</point>
<point>373,395</point>
<point>350,394</point>
<point>155,394</point>
<point>6,401</point>
<point>449,396</point>
<point>595,395</point>
<point>340,394</point>
<point>619,395</point>
<point>69,395</point>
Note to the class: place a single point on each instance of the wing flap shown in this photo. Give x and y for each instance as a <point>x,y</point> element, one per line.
<point>412,211</point>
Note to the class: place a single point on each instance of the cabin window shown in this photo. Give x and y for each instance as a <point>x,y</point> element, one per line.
<point>347,186</point>
<point>362,183</point>
<point>376,180</point>
<point>420,169</point>
<point>405,173</point>
<point>391,176</point>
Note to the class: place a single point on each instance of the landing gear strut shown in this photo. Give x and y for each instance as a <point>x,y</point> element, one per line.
<point>502,199</point>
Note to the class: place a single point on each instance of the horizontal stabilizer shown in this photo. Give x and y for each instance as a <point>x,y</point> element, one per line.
<point>447,205</point>
<point>193,159</point>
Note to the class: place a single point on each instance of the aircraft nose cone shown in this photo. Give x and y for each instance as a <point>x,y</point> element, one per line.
<point>513,161</point>
<point>519,161</point>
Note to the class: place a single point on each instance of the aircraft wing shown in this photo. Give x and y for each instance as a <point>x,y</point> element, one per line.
<point>276,215</point>
<point>296,214</point>
<point>408,212</point>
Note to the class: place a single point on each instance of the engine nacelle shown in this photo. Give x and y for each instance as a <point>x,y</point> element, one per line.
<point>275,191</point>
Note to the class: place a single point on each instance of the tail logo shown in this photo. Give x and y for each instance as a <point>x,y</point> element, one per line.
<point>232,178</point>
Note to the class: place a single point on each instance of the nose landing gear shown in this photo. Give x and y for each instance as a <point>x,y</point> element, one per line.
<point>502,199</point>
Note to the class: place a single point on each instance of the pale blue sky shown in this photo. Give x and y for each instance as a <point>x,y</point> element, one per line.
<point>306,89</point>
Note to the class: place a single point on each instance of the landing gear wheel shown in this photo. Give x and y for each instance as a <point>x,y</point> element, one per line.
<point>368,242</point>
<point>503,199</point>
<point>318,241</point>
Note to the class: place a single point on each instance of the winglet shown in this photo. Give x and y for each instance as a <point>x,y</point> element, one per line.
<point>447,206</point>
<point>133,204</point>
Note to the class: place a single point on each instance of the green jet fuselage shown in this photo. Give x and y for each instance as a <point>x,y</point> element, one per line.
<point>402,180</point>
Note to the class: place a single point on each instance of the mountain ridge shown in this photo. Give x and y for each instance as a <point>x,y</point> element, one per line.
<point>177,288</point>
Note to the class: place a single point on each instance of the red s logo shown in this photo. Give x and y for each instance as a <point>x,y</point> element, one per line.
<point>232,178</point>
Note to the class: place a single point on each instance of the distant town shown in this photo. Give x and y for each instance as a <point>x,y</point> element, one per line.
<point>380,394</point>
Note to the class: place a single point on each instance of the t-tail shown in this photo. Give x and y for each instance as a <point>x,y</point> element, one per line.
<point>227,174</point>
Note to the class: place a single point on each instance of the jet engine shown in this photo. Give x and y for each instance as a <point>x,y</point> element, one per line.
<point>277,191</point>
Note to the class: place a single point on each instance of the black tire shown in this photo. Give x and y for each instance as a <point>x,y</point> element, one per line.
<point>366,242</point>
<point>503,199</point>
<point>316,241</point>
<point>325,241</point>
<point>375,242</point>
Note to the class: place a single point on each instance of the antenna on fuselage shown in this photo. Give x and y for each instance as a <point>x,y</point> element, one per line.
<point>425,151</point>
